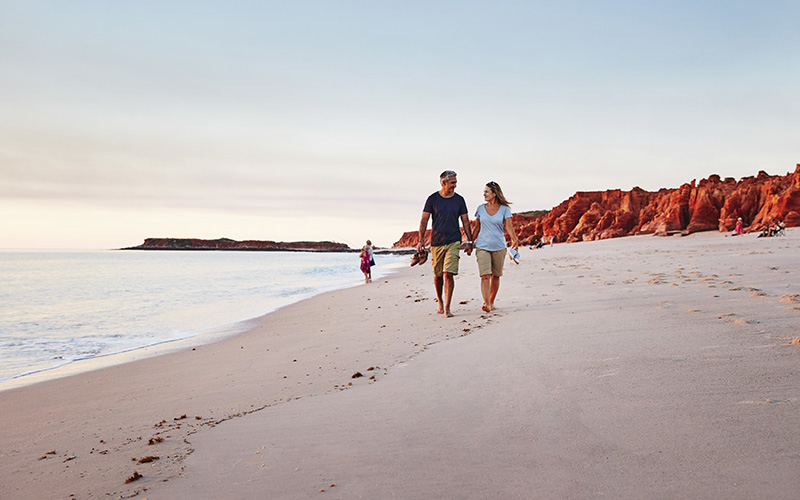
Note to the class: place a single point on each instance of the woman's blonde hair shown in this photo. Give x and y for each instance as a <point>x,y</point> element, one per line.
<point>495,188</point>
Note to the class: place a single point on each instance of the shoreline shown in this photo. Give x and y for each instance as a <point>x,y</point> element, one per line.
<point>198,337</point>
<point>701,317</point>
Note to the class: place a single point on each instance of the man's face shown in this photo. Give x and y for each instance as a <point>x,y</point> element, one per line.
<point>449,185</point>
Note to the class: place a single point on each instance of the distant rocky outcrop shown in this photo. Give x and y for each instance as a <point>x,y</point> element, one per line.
<point>711,204</point>
<point>228,244</point>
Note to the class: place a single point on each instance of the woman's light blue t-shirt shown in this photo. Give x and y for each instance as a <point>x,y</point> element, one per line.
<point>493,235</point>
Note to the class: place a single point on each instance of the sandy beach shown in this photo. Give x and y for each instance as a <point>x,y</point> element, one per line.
<point>639,367</point>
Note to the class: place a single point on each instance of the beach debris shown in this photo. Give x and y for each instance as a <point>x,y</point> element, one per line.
<point>155,440</point>
<point>795,341</point>
<point>180,418</point>
<point>790,298</point>
<point>135,477</point>
<point>148,459</point>
<point>357,375</point>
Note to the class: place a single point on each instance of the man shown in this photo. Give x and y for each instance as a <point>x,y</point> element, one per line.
<point>447,208</point>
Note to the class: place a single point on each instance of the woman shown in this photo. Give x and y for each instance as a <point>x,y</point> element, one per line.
<point>739,229</point>
<point>365,265</point>
<point>367,261</point>
<point>493,219</point>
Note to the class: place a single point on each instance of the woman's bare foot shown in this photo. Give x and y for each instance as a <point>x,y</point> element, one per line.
<point>486,308</point>
<point>448,314</point>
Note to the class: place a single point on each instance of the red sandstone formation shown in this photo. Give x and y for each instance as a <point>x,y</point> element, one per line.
<point>227,244</point>
<point>711,204</point>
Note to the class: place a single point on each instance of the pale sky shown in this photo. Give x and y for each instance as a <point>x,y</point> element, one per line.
<point>331,120</point>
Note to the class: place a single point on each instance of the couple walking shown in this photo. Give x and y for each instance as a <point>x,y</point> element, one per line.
<point>493,218</point>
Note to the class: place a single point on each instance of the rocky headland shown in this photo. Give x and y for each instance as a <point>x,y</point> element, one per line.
<point>710,204</point>
<point>250,245</point>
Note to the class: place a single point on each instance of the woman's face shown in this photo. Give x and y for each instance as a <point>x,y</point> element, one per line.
<point>488,195</point>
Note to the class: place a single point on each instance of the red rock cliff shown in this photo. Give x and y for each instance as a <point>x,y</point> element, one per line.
<point>711,204</point>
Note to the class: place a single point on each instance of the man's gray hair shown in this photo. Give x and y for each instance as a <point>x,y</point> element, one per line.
<point>447,174</point>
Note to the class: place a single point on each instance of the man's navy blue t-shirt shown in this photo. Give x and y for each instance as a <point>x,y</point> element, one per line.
<point>445,212</point>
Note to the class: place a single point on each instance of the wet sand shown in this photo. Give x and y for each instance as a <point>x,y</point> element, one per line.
<point>640,367</point>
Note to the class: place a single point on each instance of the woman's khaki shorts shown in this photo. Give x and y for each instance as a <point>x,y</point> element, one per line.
<point>490,262</point>
<point>444,259</point>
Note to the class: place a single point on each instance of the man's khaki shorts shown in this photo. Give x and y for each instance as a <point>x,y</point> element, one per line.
<point>444,259</point>
<point>490,262</point>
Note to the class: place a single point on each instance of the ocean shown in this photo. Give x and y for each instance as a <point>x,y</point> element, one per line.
<point>59,308</point>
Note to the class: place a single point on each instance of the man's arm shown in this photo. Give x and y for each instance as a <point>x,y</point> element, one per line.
<point>467,226</point>
<point>423,226</point>
<point>468,231</point>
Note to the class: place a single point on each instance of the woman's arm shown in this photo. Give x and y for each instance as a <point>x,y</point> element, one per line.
<point>476,230</point>
<point>510,231</point>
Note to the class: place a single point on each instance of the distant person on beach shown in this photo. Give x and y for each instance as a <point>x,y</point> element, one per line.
<point>366,268</point>
<point>739,229</point>
<point>367,261</point>
<point>493,220</point>
<point>368,247</point>
<point>772,229</point>
<point>447,208</point>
